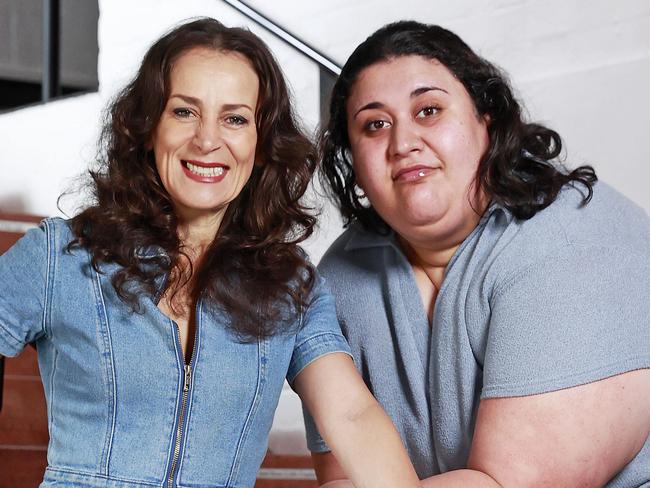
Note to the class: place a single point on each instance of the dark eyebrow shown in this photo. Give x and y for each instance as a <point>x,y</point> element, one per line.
<point>196,101</point>
<point>415,93</point>
<point>236,106</point>
<point>424,89</point>
<point>369,106</point>
<point>185,98</point>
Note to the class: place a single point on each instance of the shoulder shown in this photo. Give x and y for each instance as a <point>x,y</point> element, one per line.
<point>568,304</point>
<point>335,267</point>
<point>45,236</point>
<point>352,253</point>
<point>609,222</point>
<point>607,213</point>
<point>353,264</point>
<point>59,225</point>
<point>338,249</point>
<point>566,240</point>
<point>59,234</point>
<point>595,252</point>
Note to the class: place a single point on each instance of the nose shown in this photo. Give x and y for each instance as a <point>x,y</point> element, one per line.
<point>405,138</point>
<point>207,136</point>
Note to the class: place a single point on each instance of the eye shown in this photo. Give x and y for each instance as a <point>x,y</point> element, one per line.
<point>427,112</point>
<point>236,120</point>
<point>376,125</point>
<point>182,112</point>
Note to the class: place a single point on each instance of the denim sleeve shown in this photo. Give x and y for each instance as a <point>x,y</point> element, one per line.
<point>23,272</point>
<point>319,332</point>
<point>579,316</point>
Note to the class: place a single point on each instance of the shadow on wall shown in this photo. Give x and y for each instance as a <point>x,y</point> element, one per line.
<point>14,203</point>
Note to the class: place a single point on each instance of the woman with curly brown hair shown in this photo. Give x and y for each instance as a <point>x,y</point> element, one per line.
<point>495,302</point>
<point>168,314</point>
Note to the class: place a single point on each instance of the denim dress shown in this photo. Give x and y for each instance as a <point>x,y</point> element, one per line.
<point>124,410</point>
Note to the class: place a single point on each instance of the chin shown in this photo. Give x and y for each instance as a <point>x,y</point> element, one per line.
<point>420,217</point>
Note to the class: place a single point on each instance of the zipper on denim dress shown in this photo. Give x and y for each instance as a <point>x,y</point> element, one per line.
<point>187,381</point>
<point>187,384</point>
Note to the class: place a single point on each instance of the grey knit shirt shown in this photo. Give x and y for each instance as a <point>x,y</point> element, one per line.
<point>526,307</point>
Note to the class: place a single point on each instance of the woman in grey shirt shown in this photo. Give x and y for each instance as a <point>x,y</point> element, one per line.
<point>495,302</point>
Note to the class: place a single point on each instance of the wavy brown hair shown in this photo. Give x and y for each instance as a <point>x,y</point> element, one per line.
<point>520,168</point>
<point>254,269</point>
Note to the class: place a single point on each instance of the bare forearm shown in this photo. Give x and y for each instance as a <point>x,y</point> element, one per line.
<point>460,478</point>
<point>355,427</point>
<point>338,484</point>
<point>383,453</point>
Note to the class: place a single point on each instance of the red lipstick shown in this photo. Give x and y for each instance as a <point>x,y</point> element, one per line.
<point>204,172</point>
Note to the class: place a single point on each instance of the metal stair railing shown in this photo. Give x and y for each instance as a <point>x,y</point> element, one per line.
<point>286,36</point>
<point>328,69</point>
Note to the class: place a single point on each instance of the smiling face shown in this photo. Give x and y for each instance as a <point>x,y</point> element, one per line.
<point>204,143</point>
<point>416,143</point>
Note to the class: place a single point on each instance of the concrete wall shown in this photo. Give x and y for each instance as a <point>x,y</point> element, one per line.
<point>582,66</point>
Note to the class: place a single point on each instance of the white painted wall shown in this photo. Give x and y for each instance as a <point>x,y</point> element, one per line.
<point>582,66</point>
<point>42,150</point>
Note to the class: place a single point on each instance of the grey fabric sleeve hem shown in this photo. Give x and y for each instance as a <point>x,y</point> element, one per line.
<point>564,382</point>
<point>317,446</point>
<point>314,348</point>
<point>315,442</point>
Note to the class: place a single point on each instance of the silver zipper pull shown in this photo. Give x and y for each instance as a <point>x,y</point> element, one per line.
<point>188,377</point>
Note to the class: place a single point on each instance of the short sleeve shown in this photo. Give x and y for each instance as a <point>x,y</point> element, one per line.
<point>23,270</point>
<point>319,332</point>
<point>580,315</point>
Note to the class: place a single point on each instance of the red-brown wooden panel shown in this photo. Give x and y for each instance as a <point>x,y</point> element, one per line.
<point>8,238</point>
<point>22,468</point>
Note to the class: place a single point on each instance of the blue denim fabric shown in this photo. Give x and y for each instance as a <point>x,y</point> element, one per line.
<point>114,378</point>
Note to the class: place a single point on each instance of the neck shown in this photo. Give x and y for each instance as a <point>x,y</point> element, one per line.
<point>432,254</point>
<point>197,233</point>
<point>432,262</point>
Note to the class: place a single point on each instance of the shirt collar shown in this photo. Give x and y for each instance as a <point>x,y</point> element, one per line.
<point>365,239</point>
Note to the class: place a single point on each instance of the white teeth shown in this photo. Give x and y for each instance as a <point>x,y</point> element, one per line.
<point>203,171</point>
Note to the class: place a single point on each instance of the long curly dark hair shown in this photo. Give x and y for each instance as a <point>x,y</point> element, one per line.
<point>254,269</point>
<point>520,168</point>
